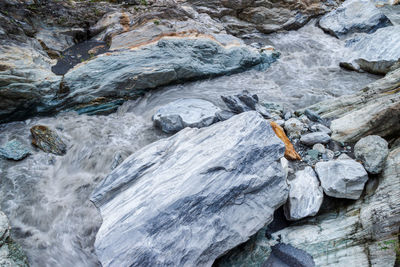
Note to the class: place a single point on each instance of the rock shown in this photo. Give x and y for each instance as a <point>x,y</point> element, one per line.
<point>354,16</point>
<point>328,155</point>
<point>294,128</point>
<point>173,60</point>
<point>375,53</point>
<point>181,113</point>
<point>224,115</point>
<point>364,233</point>
<point>372,152</point>
<point>305,195</point>
<point>47,140</point>
<point>241,103</point>
<point>342,178</point>
<point>320,148</point>
<point>284,255</point>
<point>290,152</point>
<point>220,184</point>
<point>315,138</point>
<point>375,110</point>
<point>312,115</point>
<point>14,150</point>
<point>320,128</point>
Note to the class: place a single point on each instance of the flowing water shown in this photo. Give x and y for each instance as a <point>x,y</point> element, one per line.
<point>47,197</point>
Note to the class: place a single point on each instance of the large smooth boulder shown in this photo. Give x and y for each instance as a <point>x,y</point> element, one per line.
<point>342,178</point>
<point>354,16</point>
<point>194,113</point>
<point>187,199</point>
<point>375,53</point>
<point>305,195</point>
<point>372,152</point>
<point>127,73</point>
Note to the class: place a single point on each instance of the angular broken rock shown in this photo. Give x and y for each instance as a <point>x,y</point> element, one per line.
<point>372,152</point>
<point>14,150</point>
<point>305,195</point>
<point>47,140</point>
<point>187,199</point>
<point>290,152</point>
<point>194,113</point>
<point>342,178</point>
<point>245,102</point>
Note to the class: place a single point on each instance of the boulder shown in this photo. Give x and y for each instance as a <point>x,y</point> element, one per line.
<point>305,195</point>
<point>342,178</point>
<point>294,128</point>
<point>47,140</point>
<point>315,138</point>
<point>372,152</point>
<point>224,115</point>
<point>14,150</point>
<point>173,59</point>
<point>187,199</point>
<point>354,16</point>
<point>241,102</point>
<point>375,53</point>
<point>194,113</point>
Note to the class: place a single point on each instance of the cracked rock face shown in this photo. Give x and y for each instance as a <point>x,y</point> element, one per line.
<point>187,199</point>
<point>194,113</point>
<point>342,178</point>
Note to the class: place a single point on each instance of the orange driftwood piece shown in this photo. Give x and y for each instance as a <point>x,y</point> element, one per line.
<point>290,152</point>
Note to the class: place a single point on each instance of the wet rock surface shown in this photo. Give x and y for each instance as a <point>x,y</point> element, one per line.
<point>372,152</point>
<point>224,193</point>
<point>47,140</point>
<point>283,255</point>
<point>14,150</point>
<point>194,113</point>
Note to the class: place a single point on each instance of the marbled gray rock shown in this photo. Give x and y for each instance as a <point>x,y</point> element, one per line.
<point>376,53</point>
<point>241,102</point>
<point>354,16</point>
<point>372,152</point>
<point>181,113</point>
<point>312,115</point>
<point>315,138</point>
<point>320,148</point>
<point>14,150</point>
<point>224,115</point>
<point>305,195</point>
<point>342,178</point>
<point>187,199</point>
<point>294,128</point>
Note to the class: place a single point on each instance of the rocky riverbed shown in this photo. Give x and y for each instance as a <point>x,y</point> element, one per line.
<point>199,133</point>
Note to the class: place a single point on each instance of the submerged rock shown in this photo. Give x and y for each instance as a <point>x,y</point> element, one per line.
<point>372,152</point>
<point>354,16</point>
<point>14,150</point>
<point>305,195</point>
<point>315,138</point>
<point>342,178</point>
<point>187,199</point>
<point>194,113</point>
<point>47,140</point>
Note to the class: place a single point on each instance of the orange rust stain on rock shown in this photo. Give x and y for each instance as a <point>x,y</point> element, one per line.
<point>290,152</point>
<point>125,21</point>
